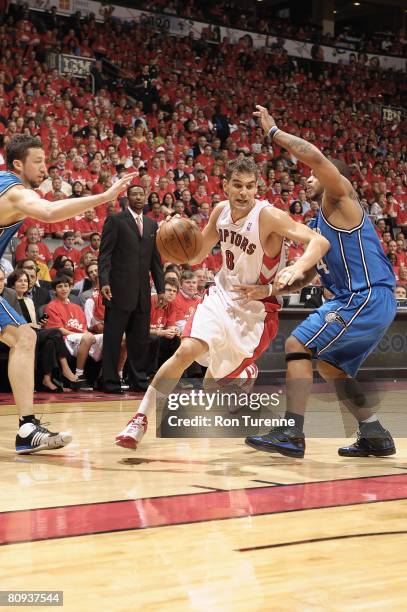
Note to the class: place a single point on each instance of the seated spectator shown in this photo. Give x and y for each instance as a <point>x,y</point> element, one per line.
<point>202,278</point>
<point>56,193</point>
<point>59,267</point>
<point>88,225</point>
<point>187,299</point>
<point>387,237</point>
<point>164,334</point>
<point>39,290</point>
<point>68,248</point>
<point>296,211</point>
<point>80,272</point>
<point>71,320</point>
<point>51,350</point>
<point>400,292</point>
<point>202,216</point>
<point>169,201</point>
<point>401,251</point>
<point>32,251</point>
<point>32,236</point>
<point>89,284</point>
<point>46,186</point>
<point>20,282</point>
<point>93,246</point>
<point>156,213</point>
<point>403,275</point>
<point>312,213</point>
<point>392,257</point>
<point>179,209</point>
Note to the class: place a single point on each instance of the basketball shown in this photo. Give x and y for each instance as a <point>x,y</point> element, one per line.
<point>179,240</point>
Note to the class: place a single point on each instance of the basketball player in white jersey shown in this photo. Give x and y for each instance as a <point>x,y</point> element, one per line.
<point>223,334</point>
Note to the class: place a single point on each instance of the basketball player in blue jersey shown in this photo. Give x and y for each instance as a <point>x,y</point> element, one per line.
<point>25,160</point>
<point>345,330</point>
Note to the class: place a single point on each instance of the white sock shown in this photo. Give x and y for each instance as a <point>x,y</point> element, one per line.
<point>121,374</point>
<point>371,419</point>
<point>149,401</point>
<point>79,372</point>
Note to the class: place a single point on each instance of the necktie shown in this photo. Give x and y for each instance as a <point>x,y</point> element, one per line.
<point>139,225</point>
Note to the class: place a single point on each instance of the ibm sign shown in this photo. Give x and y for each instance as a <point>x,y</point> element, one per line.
<point>72,65</point>
<point>390,113</point>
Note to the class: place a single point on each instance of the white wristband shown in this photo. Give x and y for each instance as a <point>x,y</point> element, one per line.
<point>270,289</point>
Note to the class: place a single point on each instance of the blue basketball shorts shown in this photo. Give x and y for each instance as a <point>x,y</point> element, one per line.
<point>345,330</point>
<point>8,316</point>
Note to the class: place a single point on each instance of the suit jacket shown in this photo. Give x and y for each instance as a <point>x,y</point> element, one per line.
<point>40,295</point>
<point>126,260</point>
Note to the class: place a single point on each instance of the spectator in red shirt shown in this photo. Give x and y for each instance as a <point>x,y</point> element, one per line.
<point>56,193</point>
<point>71,321</point>
<point>156,213</point>
<point>187,299</point>
<point>202,216</point>
<point>68,249</point>
<point>88,225</point>
<point>93,246</point>
<point>313,212</point>
<point>32,236</point>
<point>164,334</point>
<point>296,211</point>
<point>202,278</point>
<point>401,251</point>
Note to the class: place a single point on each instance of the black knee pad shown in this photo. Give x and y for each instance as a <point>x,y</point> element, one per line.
<point>297,356</point>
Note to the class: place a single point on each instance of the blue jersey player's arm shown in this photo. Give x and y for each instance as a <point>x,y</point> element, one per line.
<point>337,189</point>
<point>20,202</point>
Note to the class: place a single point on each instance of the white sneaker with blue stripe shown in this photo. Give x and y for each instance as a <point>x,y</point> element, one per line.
<point>34,437</point>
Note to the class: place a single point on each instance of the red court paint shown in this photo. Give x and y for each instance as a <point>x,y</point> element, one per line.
<point>103,517</point>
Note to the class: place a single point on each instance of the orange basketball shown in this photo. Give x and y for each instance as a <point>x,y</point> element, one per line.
<point>179,240</point>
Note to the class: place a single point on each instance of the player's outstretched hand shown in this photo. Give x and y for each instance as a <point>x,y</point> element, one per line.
<point>266,120</point>
<point>287,276</point>
<point>247,293</point>
<point>121,185</point>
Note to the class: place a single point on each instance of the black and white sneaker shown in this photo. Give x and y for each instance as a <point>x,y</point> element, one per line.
<point>34,437</point>
<point>81,384</point>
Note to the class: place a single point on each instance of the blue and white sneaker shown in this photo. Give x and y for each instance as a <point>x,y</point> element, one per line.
<point>34,437</point>
<point>288,441</point>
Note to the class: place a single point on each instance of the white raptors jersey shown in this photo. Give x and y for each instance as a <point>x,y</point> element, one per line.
<point>243,258</point>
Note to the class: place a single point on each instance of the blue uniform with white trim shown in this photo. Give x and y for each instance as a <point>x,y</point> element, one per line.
<point>346,329</point>
<point>8,316</point>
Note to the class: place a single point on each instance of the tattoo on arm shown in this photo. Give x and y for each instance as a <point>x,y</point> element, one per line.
<point>299,146</point>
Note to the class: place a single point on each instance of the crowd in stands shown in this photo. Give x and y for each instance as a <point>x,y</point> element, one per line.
<point>266,21</point>
<point>189,113</point>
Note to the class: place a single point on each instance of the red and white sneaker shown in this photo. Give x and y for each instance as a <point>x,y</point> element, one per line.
<point>133,432</point>
<point>247,378</point>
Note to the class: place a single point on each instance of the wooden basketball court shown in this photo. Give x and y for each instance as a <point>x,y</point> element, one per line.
<point>200,524</point>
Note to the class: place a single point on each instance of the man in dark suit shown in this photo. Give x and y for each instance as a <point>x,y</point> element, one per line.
<point>39,290</point>
<point>128,253</point>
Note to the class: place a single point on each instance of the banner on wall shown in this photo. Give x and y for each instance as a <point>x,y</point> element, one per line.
<point>183,27</point>
<point>392,114</point>
<point>73,65</point>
